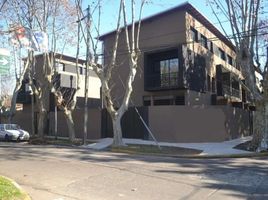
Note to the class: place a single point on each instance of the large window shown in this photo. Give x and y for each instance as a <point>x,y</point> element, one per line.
<point>161,70</point>
<point>169,72</point>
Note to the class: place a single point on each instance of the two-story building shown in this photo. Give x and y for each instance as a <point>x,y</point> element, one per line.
<point>188,82</point>
<point>65,79</point>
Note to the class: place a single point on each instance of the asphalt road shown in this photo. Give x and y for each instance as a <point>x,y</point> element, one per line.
<point>51,173</point>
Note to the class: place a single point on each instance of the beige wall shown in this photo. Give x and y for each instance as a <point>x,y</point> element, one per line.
<point>197,123</point>
<point>70,69</point>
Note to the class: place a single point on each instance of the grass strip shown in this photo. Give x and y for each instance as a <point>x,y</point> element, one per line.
<point>8,191</point>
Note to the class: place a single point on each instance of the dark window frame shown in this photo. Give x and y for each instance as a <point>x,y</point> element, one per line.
<point>222,54</point>
<point>204,41</point>
<point>169,75</point>
<point>211,48</point>
<point>230,60</point>
<point>194,34</point>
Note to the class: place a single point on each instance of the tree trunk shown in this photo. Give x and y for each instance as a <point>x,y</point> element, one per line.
<point>117,130</point>
<point>13,102</point>
<point>42,121</point>
<point>70,123</point>
<point>258,125</point>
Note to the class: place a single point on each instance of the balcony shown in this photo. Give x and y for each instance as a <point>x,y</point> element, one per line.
<point>232,92</point>
<point>162,81</point>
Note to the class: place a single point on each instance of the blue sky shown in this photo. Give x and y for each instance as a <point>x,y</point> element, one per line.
<point>109,15</point>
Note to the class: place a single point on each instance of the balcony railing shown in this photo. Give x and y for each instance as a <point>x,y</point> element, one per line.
<point>227,90</point>
<point>162,81</point>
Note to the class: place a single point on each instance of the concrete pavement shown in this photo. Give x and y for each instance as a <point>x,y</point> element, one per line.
<point>209,149</point>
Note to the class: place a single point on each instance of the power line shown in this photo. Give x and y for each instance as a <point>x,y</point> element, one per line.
<point>231,36</point>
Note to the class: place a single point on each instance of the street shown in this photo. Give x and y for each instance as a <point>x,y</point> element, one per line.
<point>63,173</point>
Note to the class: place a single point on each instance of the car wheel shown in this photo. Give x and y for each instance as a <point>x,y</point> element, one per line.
<point>18,139</point>
<point>6,138</point>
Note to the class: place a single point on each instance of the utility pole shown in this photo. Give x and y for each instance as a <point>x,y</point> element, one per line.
<point>86,75</point>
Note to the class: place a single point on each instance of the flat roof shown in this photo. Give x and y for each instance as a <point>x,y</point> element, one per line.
<point>195,13</point>
<point>62,57</point>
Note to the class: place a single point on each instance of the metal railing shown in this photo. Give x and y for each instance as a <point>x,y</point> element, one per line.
<point>162,81</point>
<point>227,90</point>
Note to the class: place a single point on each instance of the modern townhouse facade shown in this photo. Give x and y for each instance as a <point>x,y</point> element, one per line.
<point>188,84</point>
<point>64,78</point>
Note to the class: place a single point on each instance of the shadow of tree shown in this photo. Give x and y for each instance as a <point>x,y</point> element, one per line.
<point>238,178</point>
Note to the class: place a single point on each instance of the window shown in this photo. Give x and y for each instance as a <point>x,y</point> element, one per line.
<point>230,60</point>
<point>204,41</point>
<point>81,70</point>
<point>211,46</point>
<point>169,72</point>
<point>194,34</point>
<point>161,70</point>
<point>222,54</point>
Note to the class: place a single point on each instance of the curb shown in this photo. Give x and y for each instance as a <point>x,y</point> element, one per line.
<point>246,155</point>
<point>26,196</point>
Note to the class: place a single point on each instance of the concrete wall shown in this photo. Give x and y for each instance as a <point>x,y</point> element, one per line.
<point>23,118</point>
<point>198,123</point>
<point>94,124</point>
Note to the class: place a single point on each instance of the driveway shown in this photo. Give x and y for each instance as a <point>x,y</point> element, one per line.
<point>57,173</point>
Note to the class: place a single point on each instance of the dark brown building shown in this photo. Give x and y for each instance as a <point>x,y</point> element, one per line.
<point>187,81</point>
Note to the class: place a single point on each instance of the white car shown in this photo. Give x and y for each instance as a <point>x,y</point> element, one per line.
<point>13,132</point>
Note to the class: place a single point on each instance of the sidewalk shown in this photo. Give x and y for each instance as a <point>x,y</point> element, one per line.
<point>209,149</point>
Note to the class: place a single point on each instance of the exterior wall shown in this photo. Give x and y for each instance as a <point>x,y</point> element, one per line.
<point>94,83</point>
<point>197,98</point>
<point>198,123</point>
<point>70,70</point>
<point>161,32</point>
<point>165,32</point>
<point>211,58</point>
<point>21,118</point>
<point>94,124</point>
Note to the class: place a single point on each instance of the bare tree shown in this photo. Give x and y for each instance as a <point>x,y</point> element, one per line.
<point>53,17</point>
<point>244,18</point>
<point>107,73</point>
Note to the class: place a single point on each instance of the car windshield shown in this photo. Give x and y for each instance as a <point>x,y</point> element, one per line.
<point>12,127</point>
